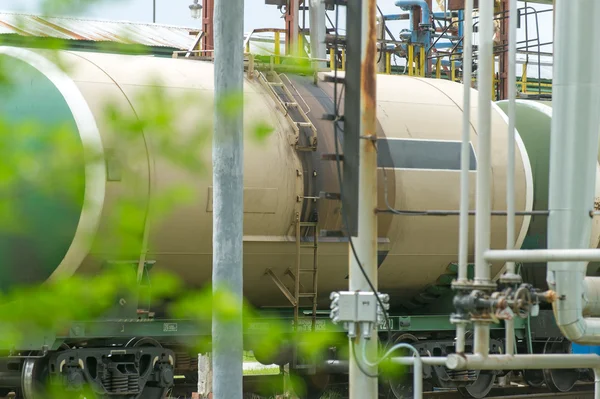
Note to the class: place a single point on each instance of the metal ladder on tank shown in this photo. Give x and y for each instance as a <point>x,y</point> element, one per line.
<point>292,110</point>
<point>313,272</point>
<point>301,122</point>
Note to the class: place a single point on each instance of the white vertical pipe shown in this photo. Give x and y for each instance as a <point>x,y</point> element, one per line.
<point>294,29</point>
<point>418,378</point>
<point>484,169</point>
<point>465,160</point>
<point>481,344</point>
<point>573,158</point>
<point>461,330</point>
<point>509,326</point>
<point>317,31</point>
<point>512,115</point>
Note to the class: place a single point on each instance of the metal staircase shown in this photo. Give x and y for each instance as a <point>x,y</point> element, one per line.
<point>304,140</point>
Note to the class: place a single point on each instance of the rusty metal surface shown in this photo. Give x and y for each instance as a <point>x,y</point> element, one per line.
<point>97,30</point>
<point>208,26</point>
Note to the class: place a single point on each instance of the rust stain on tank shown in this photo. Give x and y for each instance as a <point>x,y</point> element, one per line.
<point>368,84</point>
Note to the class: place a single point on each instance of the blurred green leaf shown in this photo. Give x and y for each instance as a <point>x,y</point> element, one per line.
<point>229,104</point>
<point>262,130</point>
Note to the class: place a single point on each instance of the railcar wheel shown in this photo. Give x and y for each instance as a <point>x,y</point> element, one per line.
<point>533,378</point>
<point>481,387</point>
<point>401,385</point>
<point>150,391</point>
<point>35,379</point>
<point>561,380</point>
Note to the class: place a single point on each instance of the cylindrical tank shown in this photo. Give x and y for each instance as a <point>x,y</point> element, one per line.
<point>121,178</point>
<point>534,123</point>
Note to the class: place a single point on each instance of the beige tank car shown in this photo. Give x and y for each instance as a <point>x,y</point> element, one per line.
<point>419,132</point>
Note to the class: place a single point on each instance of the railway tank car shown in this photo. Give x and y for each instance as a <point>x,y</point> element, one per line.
<point>419,125</point>
<point>68,233</point>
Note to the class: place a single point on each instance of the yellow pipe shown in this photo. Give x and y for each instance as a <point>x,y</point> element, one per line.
<point>388,63</point>
<point>332,58</point>
<point>277,47</point>
<point>411,57</point>
<point>452,70</point>
<point>438,68</point>
<point>423,61</point>
<point>343,59</point>
<point>524,79</point>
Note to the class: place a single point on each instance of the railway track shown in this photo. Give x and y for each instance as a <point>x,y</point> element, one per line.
<point>582,391</point>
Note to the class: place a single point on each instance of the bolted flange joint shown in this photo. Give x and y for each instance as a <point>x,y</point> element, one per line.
<point>511,278</point>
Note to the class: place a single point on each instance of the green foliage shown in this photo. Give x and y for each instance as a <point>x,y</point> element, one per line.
<point>230,104</point>
<point>168,129</point>
<point>52,307</point>
<point>262,131</point>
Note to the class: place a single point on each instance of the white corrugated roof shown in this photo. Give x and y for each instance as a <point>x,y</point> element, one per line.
<point>73,28</point>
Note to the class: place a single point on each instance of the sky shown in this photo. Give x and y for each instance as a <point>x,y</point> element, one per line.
<point>170,12</point>
<point>176,12</point>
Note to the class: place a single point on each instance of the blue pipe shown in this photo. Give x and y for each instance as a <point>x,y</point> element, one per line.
<point>425,11</point>
<point>420,36</point>
<point>461,18</point>
<point>461,27</point>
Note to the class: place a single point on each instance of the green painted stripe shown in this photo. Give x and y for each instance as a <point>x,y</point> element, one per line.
<point>42,175</point>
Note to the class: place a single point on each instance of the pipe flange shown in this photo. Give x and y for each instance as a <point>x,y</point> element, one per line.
<point>511,278</point>
<point>484,285</point>
<point>463,285</point>
<point>459,319</point>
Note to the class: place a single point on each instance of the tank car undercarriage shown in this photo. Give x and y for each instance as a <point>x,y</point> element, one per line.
<point>539,336</point>
<point>139,368</point>
<point>148,359</point>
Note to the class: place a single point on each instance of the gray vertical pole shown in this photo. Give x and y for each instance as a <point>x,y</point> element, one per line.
<point>154,11</point>
<point>228,195</point>
<point>363,386</point>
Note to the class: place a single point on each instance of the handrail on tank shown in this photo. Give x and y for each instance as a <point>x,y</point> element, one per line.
<point>278,32</point>
<point>454,53</point>
<point>250,56</point>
